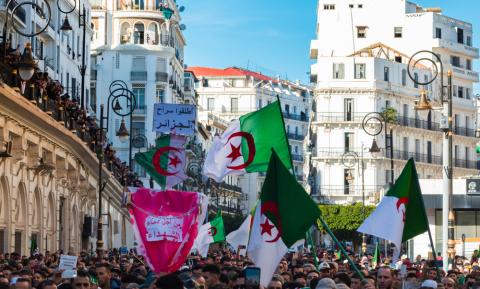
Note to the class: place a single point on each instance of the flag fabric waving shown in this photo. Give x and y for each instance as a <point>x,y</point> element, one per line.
<point>404,208</point>
<point>246,145</point>
<point>165,225</point>
<point>283,215</point>
<point>166,162</point>
<point>211,232</point>
<point>376,257</point>
<point>240,236</point>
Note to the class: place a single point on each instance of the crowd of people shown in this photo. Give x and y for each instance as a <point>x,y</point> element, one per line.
<point>223,269</point>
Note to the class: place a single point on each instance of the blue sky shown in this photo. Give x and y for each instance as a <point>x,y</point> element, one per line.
<point>271,36</point>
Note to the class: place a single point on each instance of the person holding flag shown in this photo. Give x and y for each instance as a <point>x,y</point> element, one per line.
<point>211,232</point>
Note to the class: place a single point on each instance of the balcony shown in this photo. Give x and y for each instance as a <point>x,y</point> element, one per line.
<point>140,109</point>
<point>465,74</point>
<point>297,157</point>
<point>466,50</point>
<point>138,76</point>
<point>161,77</point>
<point>299,117</point>
<point>295,136</point>
<point>464,131</point>
<point>418,157</point>
<point>229,187</point>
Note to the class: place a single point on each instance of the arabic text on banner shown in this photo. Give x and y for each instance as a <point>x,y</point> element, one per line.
<point>174,118</point>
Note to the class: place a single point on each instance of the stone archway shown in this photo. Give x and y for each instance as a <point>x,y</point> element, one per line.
<point>20,217</point>
<point>4,214</point>
<point>36,219</point>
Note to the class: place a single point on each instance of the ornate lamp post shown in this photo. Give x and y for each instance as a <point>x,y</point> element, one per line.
<point>118,90</point>
<point>447,101</point>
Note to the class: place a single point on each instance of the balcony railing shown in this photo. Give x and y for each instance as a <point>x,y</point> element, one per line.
<point>357,117</point>
<point>295,136</point>
<point>161,76</point>
<point>300,117</point>
<point>140,109</point>
<point>230,187</point>
<point>138,76</point>
<point>418,157</point>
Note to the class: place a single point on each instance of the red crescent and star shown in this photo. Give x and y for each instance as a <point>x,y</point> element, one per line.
<point>236,153</point>
<point>173,161</point>
<point>271,207</point>
<point>212,231</point>
<point>401,201</point>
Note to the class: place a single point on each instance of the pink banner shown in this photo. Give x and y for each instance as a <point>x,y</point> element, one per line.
<point>166,224</point>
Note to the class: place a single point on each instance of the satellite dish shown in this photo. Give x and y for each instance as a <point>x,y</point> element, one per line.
<point>181,8</point>
<point>183,27</point>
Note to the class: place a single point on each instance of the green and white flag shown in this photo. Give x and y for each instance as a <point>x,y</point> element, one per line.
<point>166,162</point>
<point>211,232</point>
<point>401,214</point>
<point>246,145</point>
<point>376,257</point>
<point>283,215</point>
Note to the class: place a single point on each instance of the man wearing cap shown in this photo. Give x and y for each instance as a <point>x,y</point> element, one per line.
<point>324,270</point>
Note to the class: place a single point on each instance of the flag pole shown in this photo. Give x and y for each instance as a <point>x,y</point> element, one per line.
<point>340,247</point>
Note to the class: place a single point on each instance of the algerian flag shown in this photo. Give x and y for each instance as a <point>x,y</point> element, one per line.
<point>166,162</point>
<point>239,237</point>
<point>376,257</point>
<point>283,215</point>
<point>211,232</point>
<point>401,214</point>
<point>246,145</point>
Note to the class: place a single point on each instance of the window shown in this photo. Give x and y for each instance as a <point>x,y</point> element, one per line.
<point>460,91</point>
<point>138,127</point>
<point>404,77</point>
<point>360,6</point>
<point>467,93</point>
<point>211,104</point>
<point>160,94</point>
<point>348,109</point>
<point>397,32</point>
<point>138,33</point>
<point>338,71</point>
<point>455,61</point>
<point>387,103</point>
<point>469,40</point>
<point>455,90</point>
<point>350,5</point>
<point>460,35</point>
<point>468,65</point>
<point>260,104</point>
<point>361,31</point>
<point>329,7</point>
<point>346,181</point>
<point>139,92</point>
<point>359,70</point>
<point>438,33</point>
<point>415,83</point>
<point>234,105</point>
<point>93,96</point>
<point>348,141</point>
<point>386,73</point>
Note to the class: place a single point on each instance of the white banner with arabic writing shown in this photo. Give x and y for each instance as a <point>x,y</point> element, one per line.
<point>174,118</point>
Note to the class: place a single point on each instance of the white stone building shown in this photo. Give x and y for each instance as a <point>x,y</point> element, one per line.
<point>58,52</point>
<point>361,54</point>
<point>227,94</point>
<point>135,42</point>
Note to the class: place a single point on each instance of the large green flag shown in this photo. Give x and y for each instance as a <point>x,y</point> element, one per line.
<point>404,209</point>
<point>211,232</point>
<point>268,130</point>
<point>166,162</point>
<point>283,215</point>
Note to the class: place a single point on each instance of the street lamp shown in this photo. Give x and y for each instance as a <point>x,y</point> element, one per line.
<point>448,249</point>
<point>82,22</point>
<point>373,124</point>
<point>118,90</point>
<point>349,159</point>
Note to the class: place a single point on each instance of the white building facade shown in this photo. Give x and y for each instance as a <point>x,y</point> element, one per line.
<point>227,94</point>
<point>58,52</point>
<point>137,43</point>
<point>361,66</point>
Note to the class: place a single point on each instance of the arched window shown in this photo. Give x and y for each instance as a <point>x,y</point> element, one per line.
<point>125,33</point>
<point>152,34</point>
<point>138,33</point>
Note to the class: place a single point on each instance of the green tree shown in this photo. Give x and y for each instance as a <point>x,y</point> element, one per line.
<point>344,220</point>
<point>390,114</point>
